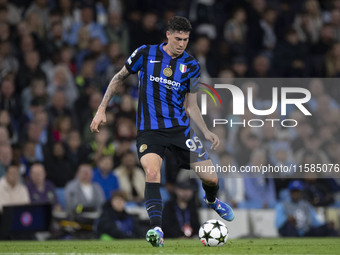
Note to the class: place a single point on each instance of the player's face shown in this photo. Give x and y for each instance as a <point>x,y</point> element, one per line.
<point>177,41</point>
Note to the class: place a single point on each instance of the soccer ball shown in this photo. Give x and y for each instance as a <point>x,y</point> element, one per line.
<point>213,233</point>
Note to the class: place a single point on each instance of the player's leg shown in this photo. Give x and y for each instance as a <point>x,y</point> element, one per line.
<point>151,150</point>
<point>210,186</point>
<point>209,179</point>
<point>190,149</point>
<point>151,164</point>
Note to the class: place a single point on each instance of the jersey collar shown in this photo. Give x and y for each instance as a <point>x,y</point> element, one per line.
<point>164,52</point>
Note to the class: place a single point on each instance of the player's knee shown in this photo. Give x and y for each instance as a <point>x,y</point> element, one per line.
<point>152,174</point>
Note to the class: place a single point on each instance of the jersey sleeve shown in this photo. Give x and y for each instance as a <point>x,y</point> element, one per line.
<point>195,78</point>
<point>135,61</point>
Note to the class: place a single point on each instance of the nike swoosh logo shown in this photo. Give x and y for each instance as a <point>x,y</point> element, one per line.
<point>150,207</point>
<point>154,61</point>
<point>200,155</point>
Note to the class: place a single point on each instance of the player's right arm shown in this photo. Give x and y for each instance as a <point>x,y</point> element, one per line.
<point>100,117</point>
<point>132,65</point>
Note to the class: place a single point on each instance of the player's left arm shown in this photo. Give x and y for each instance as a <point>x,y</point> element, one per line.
<point>194,113</point>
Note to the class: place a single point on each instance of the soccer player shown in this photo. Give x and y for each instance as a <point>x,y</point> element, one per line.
<point>168,84</point>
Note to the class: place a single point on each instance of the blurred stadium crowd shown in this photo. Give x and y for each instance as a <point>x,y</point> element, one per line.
<point>57,57</point>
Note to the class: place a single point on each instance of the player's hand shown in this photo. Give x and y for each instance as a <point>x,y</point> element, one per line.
<point>215,141</point>
<point>98,120</point>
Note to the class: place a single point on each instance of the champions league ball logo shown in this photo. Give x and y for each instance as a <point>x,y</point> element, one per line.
<point>213,233</point>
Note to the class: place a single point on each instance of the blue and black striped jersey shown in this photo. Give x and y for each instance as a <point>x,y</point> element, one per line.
<point>163,83</point>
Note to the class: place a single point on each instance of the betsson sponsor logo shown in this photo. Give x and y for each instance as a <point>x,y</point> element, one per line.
<point>169,84</point>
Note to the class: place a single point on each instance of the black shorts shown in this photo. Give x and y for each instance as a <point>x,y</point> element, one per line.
<point>179,140</point>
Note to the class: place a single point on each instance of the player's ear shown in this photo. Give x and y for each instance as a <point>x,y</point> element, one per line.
<point>168,33</point>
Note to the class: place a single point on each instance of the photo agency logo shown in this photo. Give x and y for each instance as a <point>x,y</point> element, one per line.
<point>289,96</point>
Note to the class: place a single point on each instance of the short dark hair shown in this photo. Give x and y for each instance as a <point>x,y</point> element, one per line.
<point>178,23</point>
<point>119,193</point>
<point>37,163</point>
<point>12,164</point>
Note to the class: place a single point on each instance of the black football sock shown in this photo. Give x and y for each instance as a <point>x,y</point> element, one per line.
<point>153,203</point>
<point>210,192</point>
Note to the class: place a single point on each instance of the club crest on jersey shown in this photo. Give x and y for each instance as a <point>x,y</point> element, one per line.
<point>167,71</point>
<point>142,148</point>
<point>183,68</point>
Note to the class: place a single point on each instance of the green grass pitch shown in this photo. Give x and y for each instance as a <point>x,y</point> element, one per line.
<point>176,246</point>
